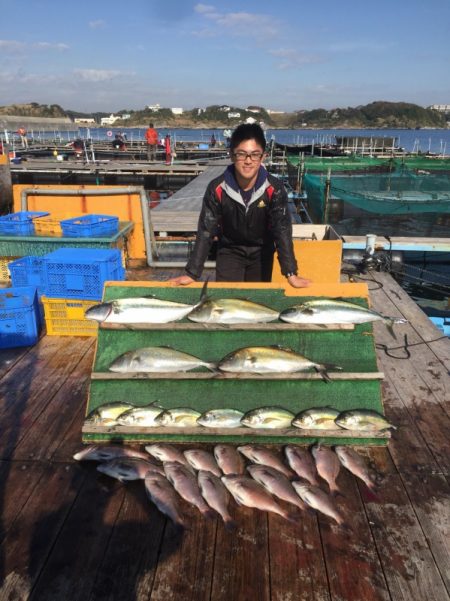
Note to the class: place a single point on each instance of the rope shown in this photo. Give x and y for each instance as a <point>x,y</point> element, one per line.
<point>405,347</point>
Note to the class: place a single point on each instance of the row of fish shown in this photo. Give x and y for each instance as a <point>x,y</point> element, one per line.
<point>205,479</point>
<point>247,360</point>
<point>228,311</point>
<point>317,418</point>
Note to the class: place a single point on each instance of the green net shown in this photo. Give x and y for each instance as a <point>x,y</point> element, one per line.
<point>386,194</point>
<point>315,164</point>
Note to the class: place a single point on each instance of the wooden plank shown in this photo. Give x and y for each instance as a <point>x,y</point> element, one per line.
<point>409,567</point>
<point>299,432</point>
<point>105,375</point>
<point>30,539</point>
<point>199,327</point>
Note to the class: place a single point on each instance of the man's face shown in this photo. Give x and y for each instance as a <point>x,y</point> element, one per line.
<point>247,158</point>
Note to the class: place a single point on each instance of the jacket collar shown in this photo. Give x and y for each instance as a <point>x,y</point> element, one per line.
<point>231,187</point>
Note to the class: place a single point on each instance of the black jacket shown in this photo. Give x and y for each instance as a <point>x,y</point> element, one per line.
<point>263,222</point>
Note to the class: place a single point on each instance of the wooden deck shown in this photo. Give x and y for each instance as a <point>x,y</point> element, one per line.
<point>68,533</point>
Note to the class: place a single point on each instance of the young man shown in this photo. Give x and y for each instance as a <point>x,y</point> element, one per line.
<point>151,136</point>
<point>246,209</point>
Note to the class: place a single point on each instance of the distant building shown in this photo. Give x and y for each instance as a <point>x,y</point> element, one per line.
<point>254,109</point>
<point>272,112</point>
<point>109,120</point>
<point>154,107</point>
<point>125,116</point>
<point>200,111</point>
<point>234,115</point>
<point>225,108</point>
<point>442,108</point>
<point>84,121</point>
<point>250,120</point>
<point>177,111</point>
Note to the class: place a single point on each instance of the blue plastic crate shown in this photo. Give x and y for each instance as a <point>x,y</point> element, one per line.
<point>80,272</point>
<point>20,321</point>
<point>27,271</point>
<point>20,223</point>
<point>90,226</point>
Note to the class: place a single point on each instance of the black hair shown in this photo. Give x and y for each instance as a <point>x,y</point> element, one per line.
<point>150,124</point>
<point>247,131</point>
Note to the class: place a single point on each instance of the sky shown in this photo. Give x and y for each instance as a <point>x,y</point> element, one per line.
<point>287,55</point>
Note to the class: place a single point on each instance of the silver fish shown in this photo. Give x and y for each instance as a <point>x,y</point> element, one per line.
<point>228,459</point>
<point>128,468</point>
<point>251,494</point>
<point>259,454</point>
<point>316,498</point>
<point>221,418</point>
<point>356,465</point>
<point>140,416</point>
<point>276,483</point>
<point>268,418</point>
<point>317,418</point>
<point>200,459</point>
<point>232,311</point>
<point>364,420</point>
<point>157,359</point>
<point>163,495</point>
<point>108,413</point>
<point>141,310</point>
<point>179,417</point>
<point>328,466</point>
<point>325,311</point>
<point>166,452</point>
<point>269,360</point>
<point>216,495</point>
<point>185,483</point>
<point>107,452</point>
<point>302,462</point>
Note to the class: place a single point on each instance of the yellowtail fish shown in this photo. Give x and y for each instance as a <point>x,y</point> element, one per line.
<point>316,498</point>
<point>157,359</point>
<point>163,495</point>
<point>317,418</point>
<point>216,495</point>
<point>179,417</point>
<point>221,418</point>
<point>364,420</point>
<point>108,413</point>
<point>232,311</point>
<point>130,311</point>
<point>140,416</point>
<point>268,418</point>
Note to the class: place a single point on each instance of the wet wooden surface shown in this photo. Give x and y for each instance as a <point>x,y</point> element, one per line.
<point>69,533</point>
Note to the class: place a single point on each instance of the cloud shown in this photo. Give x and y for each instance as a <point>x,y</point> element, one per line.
<point>12,46</point>
<point>293,59</point>
<point>17,47</point>
<point>98,24</point>
<point>96,75</point>
<point>238,24</point>
<point>49,46</point>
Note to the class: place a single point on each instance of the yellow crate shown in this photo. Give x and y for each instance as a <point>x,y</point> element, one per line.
<point>47,225</point>
<point>65,317</point>
<point>5,276</point>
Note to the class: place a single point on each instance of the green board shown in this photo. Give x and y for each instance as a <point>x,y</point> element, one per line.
<point>352,350</point>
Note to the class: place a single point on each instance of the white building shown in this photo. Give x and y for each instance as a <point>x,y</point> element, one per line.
<point>177,111</point>
<point>84,121</point>
<point>272,112</point>
<point>154,107</point>
<point>250,120</point>
<point>109,120</point>
<point>234,115</point>
<point>442,108</point>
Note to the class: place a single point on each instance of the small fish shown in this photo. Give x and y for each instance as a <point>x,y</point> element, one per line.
<point>259,454</point>
<point>105,453</point>
<point>128,468</point>
<point>108,413</point>
<point>180,417</point>
<point>328,466</point>
<point>316,498</point>
<point>302,462</point>
<point>356,465</point>
<point>221,418</point>
<point>364,420</point>
<point>140,416</point>
<point>270,360</point>
<point>317,418</point>
<point>276,483</point>
<point>130,311</point>
<point>216,495</point>
<point>157,359</point>
<point>268,418</point>
<point>185,483</point>
<point>232,311</point>
<point>200,459</point>
<point>248,492</point>
<point>166,452</point>
<point>163,495</point>
<point>228,459</point>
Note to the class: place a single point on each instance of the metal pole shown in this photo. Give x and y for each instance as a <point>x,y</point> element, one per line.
<point>327,197</point>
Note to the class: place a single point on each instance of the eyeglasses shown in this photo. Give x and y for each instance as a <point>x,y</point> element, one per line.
<point>254,156</point>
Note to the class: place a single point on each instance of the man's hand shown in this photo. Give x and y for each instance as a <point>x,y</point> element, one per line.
<point>297,282</point>
<point>182,280</point>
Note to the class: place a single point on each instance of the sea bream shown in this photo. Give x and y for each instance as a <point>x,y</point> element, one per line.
<point>128,468</point>
<point>259,454</point>
<point>228,311</point>
<point>203,460</point>
<point>216,495</point>
<point>221,418</point>
<point>356,465</point>
<point>145,309</point>
<point>270,360</point>
<point>166,452</point>
<point>228,459</point>
<point>276,483</point>
<point>327,465</point>
<point>318,499</point>
<point>154,359</point>
<point>302,462</point>
<point>163,495</point>
<point>107,452</point>
<point>185,483</point>
<point>268,418</point>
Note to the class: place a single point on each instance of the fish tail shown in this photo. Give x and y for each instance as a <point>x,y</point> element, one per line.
<point>212,367</point>
<point>210,514</point>
<point>229,523</point>
<point>204,293</point>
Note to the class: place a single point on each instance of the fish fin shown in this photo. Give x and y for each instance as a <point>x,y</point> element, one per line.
<point>323,372</point>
